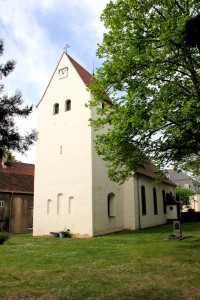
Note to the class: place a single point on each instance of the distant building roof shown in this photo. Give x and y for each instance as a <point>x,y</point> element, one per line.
<point>17,178</point>
<point>183,180</point>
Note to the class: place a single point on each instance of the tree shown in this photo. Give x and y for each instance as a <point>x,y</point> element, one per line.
<point>183,194</point>
<point>151,71</point>
<point>10,108</point>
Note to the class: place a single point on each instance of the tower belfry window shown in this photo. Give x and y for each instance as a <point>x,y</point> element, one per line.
<point>67,105</point>
<point>56,109</point>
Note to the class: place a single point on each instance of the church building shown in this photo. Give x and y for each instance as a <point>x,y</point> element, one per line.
<point>72,189</point>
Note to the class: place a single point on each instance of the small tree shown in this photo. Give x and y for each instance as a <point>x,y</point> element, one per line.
<point>10,108</point>
<point>183,194</point>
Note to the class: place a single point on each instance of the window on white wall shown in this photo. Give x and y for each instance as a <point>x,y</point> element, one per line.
<point>56,109</point>
<point>60,203</point>
<point>1,203</point>
<point>143,196</point>
<point>164,202</point>
<point>71,206</point>
<point>111,205</point>
<point>155,205</point>
<point>67,105</point>
<point>49,207</point>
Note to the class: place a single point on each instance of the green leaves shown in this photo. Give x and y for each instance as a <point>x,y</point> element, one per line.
<point>152,74</point>
<point>183,194</point>
<point>10,108</point>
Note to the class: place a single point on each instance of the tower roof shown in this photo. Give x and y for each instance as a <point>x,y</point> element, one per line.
<point>83,73</point>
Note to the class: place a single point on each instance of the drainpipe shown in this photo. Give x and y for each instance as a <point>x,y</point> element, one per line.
<point>10,210</point>
<point>138,194</point>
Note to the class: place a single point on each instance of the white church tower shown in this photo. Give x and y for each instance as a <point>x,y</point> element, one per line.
<point>72,189</point>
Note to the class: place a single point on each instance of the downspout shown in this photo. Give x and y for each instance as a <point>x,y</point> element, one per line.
<point>138,192</point>
<point>10,211</point>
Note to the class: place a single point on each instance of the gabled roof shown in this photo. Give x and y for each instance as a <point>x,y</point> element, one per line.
<point>83,73</point>
<point>17,178</point>
<point>150,170</point>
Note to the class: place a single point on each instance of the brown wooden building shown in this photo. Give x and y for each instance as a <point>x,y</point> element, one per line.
<point>16,197</point>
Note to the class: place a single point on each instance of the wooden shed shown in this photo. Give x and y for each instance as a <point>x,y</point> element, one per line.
<point>16,197</point>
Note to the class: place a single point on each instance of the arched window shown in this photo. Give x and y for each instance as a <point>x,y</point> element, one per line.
<point>164,202</point>
<point>155,205</point>
<point>49,207</point>
<point>143,196</point>
<point>71,206</point>
<point>67,105</point>
<point>56,109</point>
<point>59,203</point>
<point>111,205</point>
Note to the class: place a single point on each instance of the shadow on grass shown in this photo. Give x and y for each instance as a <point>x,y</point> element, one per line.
<point>187,228</point>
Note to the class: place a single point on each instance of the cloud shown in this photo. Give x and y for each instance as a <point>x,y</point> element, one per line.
<point>35,33</point>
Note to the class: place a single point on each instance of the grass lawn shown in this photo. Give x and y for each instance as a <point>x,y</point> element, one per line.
<point>130,265</point>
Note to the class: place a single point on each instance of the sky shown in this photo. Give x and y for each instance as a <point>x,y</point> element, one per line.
<point>35,33</point>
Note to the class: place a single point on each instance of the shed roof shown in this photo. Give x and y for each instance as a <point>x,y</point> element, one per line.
<point>17,178</point>
<point>171,200</point>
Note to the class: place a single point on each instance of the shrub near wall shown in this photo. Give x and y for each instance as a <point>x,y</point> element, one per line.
<point>4,236</point>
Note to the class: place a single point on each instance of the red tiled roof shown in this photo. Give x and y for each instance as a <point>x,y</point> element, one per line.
<point>17,178</point>
<point>84,74</point>
<point>19,168</point>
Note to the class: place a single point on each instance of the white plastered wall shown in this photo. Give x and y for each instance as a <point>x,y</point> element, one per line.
<point>63,158</point>
<point>150,219</point>
<point>102,187</point>
<point>195,202</point>
<point>130,204</point>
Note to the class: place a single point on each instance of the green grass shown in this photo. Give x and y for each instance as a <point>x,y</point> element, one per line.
<point>130,265</point>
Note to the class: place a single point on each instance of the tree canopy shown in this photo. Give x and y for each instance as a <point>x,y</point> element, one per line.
<point>10,108</point>
<point>151,71</point>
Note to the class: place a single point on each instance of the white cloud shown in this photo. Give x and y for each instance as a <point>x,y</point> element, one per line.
<point>35,33</point>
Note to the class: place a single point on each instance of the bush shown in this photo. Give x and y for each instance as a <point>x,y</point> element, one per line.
<point>67,233</point>
<point>4,236</point>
